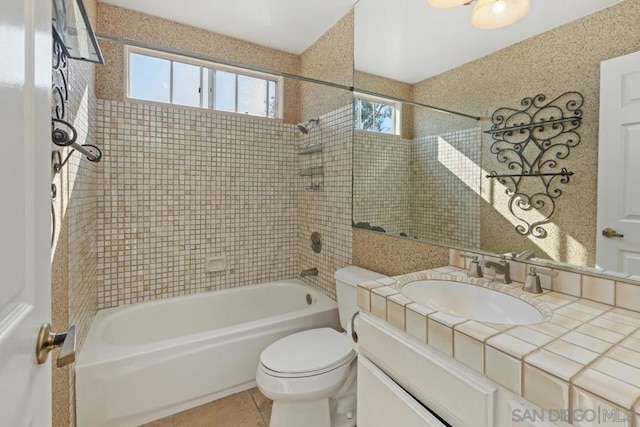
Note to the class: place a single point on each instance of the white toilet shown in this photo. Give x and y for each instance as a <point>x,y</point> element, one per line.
<point>311,375</point>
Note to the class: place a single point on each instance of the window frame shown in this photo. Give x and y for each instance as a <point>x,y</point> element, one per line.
<point>397,111</point>
<point>129,49</point>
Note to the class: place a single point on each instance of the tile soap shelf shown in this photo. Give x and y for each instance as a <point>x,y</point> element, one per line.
<point>531,142</point>
<point>310,150</point>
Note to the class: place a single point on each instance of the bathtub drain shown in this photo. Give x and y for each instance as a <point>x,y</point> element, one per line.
<point>309,299</point>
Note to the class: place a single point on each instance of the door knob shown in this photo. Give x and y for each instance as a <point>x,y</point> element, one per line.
<point>48,340</point>
<point>610,233</point>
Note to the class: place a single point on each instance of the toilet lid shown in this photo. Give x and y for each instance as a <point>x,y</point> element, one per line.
<point>307,351</point>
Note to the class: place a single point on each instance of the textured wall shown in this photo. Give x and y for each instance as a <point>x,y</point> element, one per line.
<point>74,251</point>
<point>181,186</point>
<point>327,211</point>
<point>564,59</point>
<point>330,58</point>
<point>115,21</point>
<point>393,255</point>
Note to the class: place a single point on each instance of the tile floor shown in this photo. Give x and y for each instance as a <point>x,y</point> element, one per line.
<point>247,409</point>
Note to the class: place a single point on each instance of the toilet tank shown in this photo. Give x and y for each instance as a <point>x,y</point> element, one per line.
<point>347,280</point>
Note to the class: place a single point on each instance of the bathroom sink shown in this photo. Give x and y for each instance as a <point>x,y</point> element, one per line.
<point>471,302</point>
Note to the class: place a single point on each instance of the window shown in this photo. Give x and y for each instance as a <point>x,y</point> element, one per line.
<point>376,114</point>
<point>171,79</point>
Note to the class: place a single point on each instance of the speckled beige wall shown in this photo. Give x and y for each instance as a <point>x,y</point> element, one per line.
<point>393,255</point>
<point>74,253</point>
<point>564,59</point>
<point>119,22</point>
<point>388,87</point>
<point>330,58</point>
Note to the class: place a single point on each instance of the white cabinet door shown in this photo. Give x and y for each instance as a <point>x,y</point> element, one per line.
<point>383,403</point>
<point>618,160</point>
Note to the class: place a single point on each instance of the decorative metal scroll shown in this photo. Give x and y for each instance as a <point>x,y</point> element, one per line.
<point>531,143</point>
<point>63,134</point>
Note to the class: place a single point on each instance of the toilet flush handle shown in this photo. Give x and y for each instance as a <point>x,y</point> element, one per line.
<point>354,335</point>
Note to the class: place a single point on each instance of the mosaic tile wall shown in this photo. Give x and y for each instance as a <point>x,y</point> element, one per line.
<point>382,173</point>
<point>445,202</point>
<point>394,185</point>
<point>328,210</point>
<point>184,185</point>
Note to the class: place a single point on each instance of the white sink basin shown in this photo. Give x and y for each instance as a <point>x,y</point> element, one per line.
<point>471,302</point>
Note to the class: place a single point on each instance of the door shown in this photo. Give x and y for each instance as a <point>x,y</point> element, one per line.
<point>25,290</point>
<point>383,403</point>
<point>619,165</point>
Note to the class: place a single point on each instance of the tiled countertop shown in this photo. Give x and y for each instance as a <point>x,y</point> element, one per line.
<point>584,355</point>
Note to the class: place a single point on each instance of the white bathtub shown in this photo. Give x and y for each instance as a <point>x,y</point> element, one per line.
<point>146,361</point>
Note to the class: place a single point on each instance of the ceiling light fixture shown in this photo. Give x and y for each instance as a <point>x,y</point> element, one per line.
<point>490,14</point>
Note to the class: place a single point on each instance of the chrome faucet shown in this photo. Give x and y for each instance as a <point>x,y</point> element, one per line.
<point>309,272</point>
<point>474,266</point>
<point>501,268</point>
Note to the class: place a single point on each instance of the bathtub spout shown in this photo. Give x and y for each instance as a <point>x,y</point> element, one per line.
<point>309,272</point>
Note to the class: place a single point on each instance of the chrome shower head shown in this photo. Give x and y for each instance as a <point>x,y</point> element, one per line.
<point>302,127</point>
<point>305,127</point>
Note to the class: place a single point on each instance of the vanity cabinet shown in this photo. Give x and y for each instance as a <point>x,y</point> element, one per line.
<point>383,403</point>
<point>399,377</point>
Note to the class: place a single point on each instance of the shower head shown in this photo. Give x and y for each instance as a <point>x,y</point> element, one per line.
<point>305,127</point>
<point>302,127</point>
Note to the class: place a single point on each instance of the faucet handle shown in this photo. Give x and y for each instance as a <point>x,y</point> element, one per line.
<point>532,283</point>
<point>474,265</point>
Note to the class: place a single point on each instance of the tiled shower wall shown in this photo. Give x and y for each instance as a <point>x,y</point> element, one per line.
<point>327,211</point>
<point>445,201</point>
<point>382,167</point>
<point>427,187</point>
<point>181,186</point>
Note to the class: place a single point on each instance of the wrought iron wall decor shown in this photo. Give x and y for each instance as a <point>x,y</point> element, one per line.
<point>531,142</point>
<point>63,134</point>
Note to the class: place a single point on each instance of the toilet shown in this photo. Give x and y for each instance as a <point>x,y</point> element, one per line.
<point>311,375</point>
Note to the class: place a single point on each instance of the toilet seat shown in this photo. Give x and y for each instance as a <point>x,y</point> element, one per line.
<point>307,353</point>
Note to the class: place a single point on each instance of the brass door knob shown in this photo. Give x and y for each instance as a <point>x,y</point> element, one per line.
<point>48,340</point>
<point>611,233</point>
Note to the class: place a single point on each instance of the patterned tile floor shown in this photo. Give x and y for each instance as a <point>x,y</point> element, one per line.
<point>247,409</point>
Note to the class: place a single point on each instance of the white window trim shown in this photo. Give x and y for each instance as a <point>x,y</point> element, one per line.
<point>397,105</point>
<point>128,49</point>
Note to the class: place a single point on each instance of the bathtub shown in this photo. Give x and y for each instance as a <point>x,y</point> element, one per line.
<point>146,361</point>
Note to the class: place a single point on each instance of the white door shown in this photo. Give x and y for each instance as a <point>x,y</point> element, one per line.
<point>25,289</point>
<point>619,165</point>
